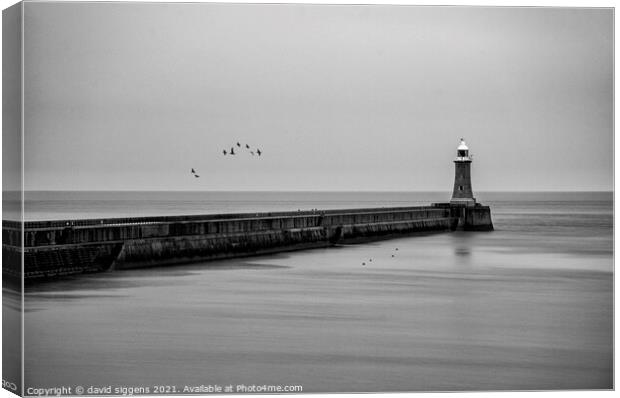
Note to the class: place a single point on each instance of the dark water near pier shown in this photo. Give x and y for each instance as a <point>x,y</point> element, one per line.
<point>528,306</point>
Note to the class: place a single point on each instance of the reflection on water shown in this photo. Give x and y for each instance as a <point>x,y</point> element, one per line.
<point>528,306</point>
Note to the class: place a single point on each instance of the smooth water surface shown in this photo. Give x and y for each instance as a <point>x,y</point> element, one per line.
<point>528,306</point>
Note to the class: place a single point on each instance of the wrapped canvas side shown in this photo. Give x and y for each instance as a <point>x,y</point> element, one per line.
<point>12,199</point>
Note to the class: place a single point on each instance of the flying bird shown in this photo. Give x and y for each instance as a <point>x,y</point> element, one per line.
<point>239,145</point>
<point>224,151</point>
<point>232,150</point>
<point>247,146</point>
<point>196,175</point>
<point>193,171</point>
<point>258,151</point>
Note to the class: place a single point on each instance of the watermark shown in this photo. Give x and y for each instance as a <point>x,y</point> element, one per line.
<point>200,389</point>
<point>9,385</point>
<point>242,388</point>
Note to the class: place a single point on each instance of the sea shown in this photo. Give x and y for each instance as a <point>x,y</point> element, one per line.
<point>528,306</point>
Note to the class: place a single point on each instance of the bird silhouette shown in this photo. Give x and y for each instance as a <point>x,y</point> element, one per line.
<point>247,146</point>
<point>232,150</point>
<point>196,175</point>
<point>239,145</point>
<point>258,151</point>
<point>224,151</point>
<point>193,171</point>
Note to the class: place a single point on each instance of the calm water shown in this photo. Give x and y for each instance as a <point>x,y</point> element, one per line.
<point>61,205</point>
<point>528,306</point>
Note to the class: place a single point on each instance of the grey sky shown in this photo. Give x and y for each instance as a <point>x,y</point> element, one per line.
<point>131,96</point>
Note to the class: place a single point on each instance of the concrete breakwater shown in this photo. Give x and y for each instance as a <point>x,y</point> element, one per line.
<point>53,248</point>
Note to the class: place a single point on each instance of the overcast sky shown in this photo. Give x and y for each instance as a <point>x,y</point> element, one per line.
<point>131,96</point>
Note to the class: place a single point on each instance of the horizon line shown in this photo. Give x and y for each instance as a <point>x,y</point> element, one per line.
<point>302,190</point>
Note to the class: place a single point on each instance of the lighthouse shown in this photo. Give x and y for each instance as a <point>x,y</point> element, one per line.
<point>462,194</point>
<point>466,214</point>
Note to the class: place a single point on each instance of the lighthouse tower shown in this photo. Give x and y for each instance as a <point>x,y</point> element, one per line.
<point>462,194</point>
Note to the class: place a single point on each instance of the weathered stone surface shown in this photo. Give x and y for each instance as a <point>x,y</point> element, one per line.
<point>53,248</point>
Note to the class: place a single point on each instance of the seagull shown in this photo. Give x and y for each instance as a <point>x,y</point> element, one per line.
<point>232,150</point>
<point>224,151</point>
<point>247,146</point>
<point>258,151</point>
<point>196,175</point>
<point>193,171</point>
<point>239,145</point>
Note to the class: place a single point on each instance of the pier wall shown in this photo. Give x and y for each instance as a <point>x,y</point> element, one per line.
<point>470,218</point>
<point>53,248</point>
<point>478,218</point>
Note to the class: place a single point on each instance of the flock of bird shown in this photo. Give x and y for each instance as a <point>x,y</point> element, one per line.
<point>232,152</point>
<point>370,260</point>
<point>247,147</point>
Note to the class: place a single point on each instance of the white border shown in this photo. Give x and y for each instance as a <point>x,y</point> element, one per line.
<point>505,3</point>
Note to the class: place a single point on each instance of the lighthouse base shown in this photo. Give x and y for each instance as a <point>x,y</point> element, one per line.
<point>469,218</point>
<point>470,202</point>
